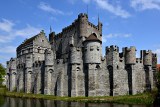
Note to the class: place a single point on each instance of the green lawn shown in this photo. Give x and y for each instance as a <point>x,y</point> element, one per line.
<point>144,98</point>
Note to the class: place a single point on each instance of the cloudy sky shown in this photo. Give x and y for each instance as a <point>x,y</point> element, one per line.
<point>125,22</point>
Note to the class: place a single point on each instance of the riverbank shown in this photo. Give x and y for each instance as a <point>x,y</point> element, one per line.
<point>144,98</point>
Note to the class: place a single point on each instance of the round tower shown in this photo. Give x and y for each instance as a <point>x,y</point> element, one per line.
<point>130,55</point>
<point>83,22</point>
<point>147,57</point>
<point>92,49</point>
<point>49,57</point>
<point>28,61</point>
<point>13,63</point>
<point>75,55</point>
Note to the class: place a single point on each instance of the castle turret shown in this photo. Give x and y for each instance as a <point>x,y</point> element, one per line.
<point>130,55</point>
<point>92,50</point>
<point>28,73</point>
<point>83,22</point>
<point>147,57</point>
<point>75,55</point>
<point>112,55</point>
<point>49,70</point>
<point>154,67</point>
<point>92,58</point>
<point>112,59</point>
<point>13,74</point>
<point>147,62</point>
<point>77,74</point>
<point>154,60</point>
<point>49,58</point>
<point>52,41</point>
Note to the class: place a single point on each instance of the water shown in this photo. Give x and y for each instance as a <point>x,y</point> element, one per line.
<point>26,102</point>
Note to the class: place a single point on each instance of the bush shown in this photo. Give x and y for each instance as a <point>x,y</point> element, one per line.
<point>2,74</point>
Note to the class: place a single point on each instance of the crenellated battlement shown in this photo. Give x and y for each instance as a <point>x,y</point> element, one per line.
<point>147,57</point>
<point>92,25</point>
<point>139,60</point>
<point>112,48</point>
<point>81,15</point>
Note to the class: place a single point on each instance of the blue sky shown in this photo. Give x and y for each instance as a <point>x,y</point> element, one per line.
<point>125,22</point>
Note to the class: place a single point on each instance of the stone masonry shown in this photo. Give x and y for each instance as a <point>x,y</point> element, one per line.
<point>71,64</point>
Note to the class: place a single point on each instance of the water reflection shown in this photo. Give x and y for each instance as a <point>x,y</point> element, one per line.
<point>22,102</point>
<point>2,101</point>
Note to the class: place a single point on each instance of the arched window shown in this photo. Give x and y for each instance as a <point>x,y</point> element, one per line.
<point>78,69</point>
<point>14,73</point>
<point>50,70</point>
<point>30,72</point>
<point>97,66</point>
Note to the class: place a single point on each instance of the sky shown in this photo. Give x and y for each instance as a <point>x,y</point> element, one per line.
<point>125,22</point>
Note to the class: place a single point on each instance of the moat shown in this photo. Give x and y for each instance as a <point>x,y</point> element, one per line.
<point>26,102</point>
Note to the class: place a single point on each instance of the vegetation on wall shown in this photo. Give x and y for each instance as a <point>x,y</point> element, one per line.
<point>2,74</point>
<point>158,78</point>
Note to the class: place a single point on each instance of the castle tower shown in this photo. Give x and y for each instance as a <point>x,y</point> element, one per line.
<point>83,22</point>
<point>147,62</point>
<point>49,73</point>
<point>13,75</point>
<point>28,74</point>
<point>77,74</point>
<point>52,41</point>
<point>154,67</point>
<point>130,61</point>
<point>8,75</point>
<point>92,58</point>
<point>112,59</point>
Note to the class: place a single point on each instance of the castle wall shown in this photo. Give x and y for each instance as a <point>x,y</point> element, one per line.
<point>102,80</point>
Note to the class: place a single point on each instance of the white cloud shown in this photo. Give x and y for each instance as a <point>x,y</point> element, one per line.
<point>3,59</point>
<point>8,49</point>
<point>115,35</point>
<point>86,1</point>
<point>158,55</point>
<point>118,11</point>
<point>46,7</point>
<point>145,4</point>
<point>27,32</point>
<point>6,25</point>
<point>11,33</point>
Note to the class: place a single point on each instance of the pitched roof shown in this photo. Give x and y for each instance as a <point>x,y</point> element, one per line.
<point>27,41</point>
<point>92,37</point>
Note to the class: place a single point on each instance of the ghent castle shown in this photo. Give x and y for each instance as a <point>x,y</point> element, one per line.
<point>71,64</point>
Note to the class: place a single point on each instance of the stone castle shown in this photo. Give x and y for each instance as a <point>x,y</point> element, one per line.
<point>71,64</point>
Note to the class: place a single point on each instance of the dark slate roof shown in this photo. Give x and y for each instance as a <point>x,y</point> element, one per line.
<point>92,37</point>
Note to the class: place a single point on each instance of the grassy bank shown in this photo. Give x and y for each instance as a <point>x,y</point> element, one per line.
<point>144,98</point>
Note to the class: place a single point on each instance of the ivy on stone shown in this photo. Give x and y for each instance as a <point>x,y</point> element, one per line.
<point>2,73</point>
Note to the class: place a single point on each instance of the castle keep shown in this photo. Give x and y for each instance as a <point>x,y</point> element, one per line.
<point>71,64</point>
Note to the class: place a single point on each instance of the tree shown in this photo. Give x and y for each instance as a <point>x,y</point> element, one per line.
<point>2,73</point>
<point>158,78</point>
